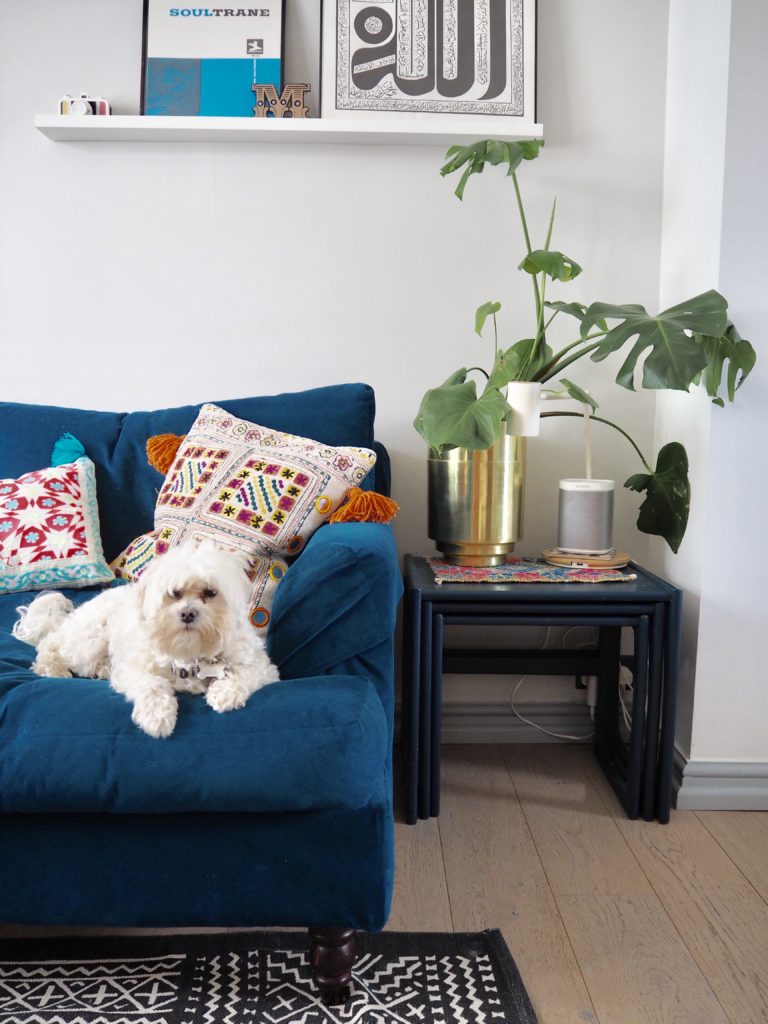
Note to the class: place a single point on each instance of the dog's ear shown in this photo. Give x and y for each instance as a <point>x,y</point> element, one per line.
<point>149,597</point>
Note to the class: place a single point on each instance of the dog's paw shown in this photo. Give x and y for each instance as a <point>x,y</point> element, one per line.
<point>102,669</point>
<point>226,695</point>
<point>155,714</point>
<point>51,666</point>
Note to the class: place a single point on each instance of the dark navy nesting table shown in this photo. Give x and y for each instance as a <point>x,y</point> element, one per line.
<point>637,762</point>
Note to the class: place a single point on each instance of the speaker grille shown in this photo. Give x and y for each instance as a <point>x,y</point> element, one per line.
<point>585,521</point>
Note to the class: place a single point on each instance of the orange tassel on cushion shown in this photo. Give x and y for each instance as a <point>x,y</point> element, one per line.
<point>162,450</point>
<point>365,507</point>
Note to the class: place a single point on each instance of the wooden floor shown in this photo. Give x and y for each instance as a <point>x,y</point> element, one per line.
<point>609,920</point>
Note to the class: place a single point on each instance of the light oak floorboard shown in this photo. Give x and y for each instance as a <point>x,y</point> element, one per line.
<point>712,904</point>
<point>495,880</point>
<point>420,898</point>
<point>582,850</point>
<point>717,911</point>
<point>420,901</point>
<point>637,969</point>
<point>636,966</point>
<point>744,837</point>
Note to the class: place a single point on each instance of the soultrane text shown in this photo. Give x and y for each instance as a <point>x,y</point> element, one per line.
<point>219,12</point>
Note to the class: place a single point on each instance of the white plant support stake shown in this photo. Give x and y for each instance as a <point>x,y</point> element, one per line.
<point>587,444</point>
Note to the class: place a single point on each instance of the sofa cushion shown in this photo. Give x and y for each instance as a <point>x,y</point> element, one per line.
<point>49,529</point>
<point>127,486</point>
<point>69,745</point>
<point>249,487</point>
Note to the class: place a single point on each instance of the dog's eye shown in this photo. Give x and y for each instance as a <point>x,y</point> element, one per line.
<point>209,592</point>
<point>176,594</point>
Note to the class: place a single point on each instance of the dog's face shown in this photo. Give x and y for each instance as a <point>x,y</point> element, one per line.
<point>192,599</point>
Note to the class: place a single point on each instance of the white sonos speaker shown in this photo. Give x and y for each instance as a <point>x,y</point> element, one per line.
<point>585,518</point>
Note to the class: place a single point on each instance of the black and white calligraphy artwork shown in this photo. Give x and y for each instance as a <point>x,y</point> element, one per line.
<point>429,56</point>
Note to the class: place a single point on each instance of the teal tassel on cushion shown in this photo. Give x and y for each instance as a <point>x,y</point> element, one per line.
<point>67,449</point>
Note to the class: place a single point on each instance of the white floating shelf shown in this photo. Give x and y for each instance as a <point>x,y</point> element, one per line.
<point>133,128</point>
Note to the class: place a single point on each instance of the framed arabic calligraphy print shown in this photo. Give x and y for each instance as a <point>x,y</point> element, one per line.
<point>430,58</point>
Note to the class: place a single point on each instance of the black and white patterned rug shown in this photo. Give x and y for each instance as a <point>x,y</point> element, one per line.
<point>258,978</point>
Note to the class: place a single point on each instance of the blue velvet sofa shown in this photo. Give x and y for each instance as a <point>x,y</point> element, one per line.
<point>277,814</point>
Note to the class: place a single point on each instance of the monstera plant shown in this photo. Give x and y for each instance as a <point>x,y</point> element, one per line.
<point>690,343</point>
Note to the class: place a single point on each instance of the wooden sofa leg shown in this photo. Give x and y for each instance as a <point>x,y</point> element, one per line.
<point>332,955</point>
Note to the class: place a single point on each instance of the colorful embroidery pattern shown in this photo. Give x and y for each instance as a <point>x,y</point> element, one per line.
<point>49,529</point>
<point>251,488</point>
<point>524,571</point>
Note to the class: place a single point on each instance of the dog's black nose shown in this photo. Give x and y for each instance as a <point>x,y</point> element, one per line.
<point>188,616</point>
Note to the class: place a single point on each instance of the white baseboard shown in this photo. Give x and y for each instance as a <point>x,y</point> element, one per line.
<point>720,785</point>
<point>496,723</point>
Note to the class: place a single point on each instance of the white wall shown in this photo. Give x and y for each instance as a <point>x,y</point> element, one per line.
<point>138,275</point>
<point>714,205</point>
<point>696,112</point>
<point>731,704</point>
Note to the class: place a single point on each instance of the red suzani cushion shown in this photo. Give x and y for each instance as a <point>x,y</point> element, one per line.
<point>251,488</point>
<point>49,530</point>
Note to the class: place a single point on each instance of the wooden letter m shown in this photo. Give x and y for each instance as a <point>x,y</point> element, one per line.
<point>289,104</point>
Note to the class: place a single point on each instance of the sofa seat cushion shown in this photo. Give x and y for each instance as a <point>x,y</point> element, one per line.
<point>249,487</point>
<point>69,745</point>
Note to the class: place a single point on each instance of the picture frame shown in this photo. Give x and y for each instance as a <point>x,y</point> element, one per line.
<point>473,61</point>
<point>204,61</point>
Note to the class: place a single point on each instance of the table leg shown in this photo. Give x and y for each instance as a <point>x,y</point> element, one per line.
<point>650,774</point>
<point>425,704</point>
<point>436,712</point>
<point>669,709</point>
<point>607,710</point>
<point>410,708</point>
<point>637,732</point>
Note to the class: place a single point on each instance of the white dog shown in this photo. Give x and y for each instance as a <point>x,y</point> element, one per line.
<point>183,626</point>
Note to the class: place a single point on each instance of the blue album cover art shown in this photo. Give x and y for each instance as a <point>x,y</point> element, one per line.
<point>204,61</point>
<point>214,87</point>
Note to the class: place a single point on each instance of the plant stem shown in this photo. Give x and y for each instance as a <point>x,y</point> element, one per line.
<point>553,363</point>
<point>527,240</point>
<point>551,224</point>
<point>559,367</point>
<point>599,419</point>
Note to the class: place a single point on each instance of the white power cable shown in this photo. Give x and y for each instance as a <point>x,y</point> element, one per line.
<point>556,735</point>
<point>522,679</point>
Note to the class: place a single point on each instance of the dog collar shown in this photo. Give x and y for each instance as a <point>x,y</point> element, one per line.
<point>200,669</point>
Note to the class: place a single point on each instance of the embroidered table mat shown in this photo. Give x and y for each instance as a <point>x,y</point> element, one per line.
<point>524,571</point>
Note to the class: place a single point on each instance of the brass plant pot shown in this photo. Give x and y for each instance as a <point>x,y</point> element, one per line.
<point>476,501</point>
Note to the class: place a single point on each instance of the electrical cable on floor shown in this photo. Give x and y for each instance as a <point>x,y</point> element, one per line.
<point>556,735</point>
<point>522,679</point>
<point>623,685</point>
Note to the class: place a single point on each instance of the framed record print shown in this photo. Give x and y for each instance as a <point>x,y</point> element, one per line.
<point>430,59</point>
<point>205,61</point>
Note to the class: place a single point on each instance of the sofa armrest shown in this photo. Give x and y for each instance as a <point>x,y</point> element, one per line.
<point>337,605</point>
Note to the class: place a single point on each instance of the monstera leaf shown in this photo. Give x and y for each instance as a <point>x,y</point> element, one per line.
<point>554,264</point>
<point>521,361</point>
<point>490,151</point>
<point>664,513</point>
<point>483,312</point>
<point>676,358</point>
<point>577,309</point>
<point>453,416</point>
<point>734,350</point>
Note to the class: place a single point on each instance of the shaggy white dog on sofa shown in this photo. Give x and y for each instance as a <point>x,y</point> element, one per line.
<point>183,626</point>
